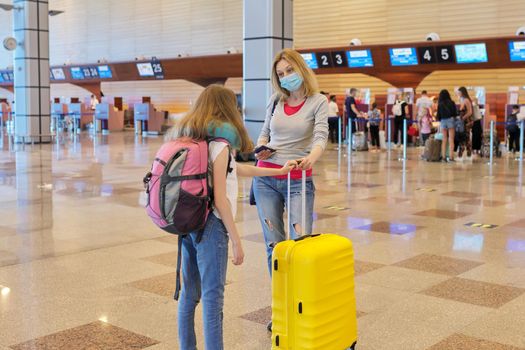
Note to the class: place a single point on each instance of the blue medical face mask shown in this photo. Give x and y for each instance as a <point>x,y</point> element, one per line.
<point>291,82</point>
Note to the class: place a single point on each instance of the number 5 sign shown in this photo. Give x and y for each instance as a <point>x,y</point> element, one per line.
<point>445,54</point>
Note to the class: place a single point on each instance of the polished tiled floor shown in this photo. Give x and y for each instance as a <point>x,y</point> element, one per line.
<point>440,251</point>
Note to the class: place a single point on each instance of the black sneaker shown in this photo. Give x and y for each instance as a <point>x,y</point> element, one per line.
<point>269,327</point>
<point>450,160</point>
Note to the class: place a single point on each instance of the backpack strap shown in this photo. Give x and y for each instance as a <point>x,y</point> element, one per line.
<point>179,263</point>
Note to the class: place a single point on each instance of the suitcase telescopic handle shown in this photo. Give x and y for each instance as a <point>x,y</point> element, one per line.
<point>306,236</point>
<point>303,203</point>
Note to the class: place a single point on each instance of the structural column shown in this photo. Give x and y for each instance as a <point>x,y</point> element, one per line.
<point>31,70</point>
<point>268,28</point>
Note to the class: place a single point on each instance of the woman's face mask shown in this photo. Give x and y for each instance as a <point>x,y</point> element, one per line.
<point>291,82</point>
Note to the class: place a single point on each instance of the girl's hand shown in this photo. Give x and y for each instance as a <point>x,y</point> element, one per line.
<point>263,155</point>
<point>238,253</point>
<point>305,163</point>
<point>289,166</point>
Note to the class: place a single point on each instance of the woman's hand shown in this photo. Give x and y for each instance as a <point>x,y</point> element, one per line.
<point>263,155</point>
<point>289,166</point>
<point>305,163</point>
<point>238,253</point>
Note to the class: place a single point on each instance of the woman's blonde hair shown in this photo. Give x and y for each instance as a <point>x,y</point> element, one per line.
<point>299,66</point>
<point>214,106</point>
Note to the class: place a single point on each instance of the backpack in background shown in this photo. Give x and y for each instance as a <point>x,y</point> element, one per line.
<point>476,113</point>
<point>513,123</point>
<point>397,109</point>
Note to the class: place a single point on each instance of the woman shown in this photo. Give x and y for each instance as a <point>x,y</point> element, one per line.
<point>401,106</point>
<point>465,112</point>
<point>333,119</point>
<point>477,130</point>
<point>297,129</point>
<point>446,114</point>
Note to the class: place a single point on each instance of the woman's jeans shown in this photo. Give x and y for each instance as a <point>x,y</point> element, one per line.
<point>271,197</point>
<point>203,276</point>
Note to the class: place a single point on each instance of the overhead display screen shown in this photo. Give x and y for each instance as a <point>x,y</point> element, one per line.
<point>58,74</point>
<point>310,60</point>
<point>471,53</point>
<point>104,72</point>
<point>517,51</point>
<point>145,69</point>
<point>359,58</point>
<point>76,73</point>
<point>405,56</point>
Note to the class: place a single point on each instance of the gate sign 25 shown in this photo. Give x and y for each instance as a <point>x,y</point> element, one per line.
<point>436,54</point>
<point>324,59</point>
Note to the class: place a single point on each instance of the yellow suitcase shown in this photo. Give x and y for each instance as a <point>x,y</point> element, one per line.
<point>313,298</point>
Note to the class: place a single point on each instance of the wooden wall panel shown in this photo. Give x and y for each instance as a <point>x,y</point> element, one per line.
<point>381,21</point>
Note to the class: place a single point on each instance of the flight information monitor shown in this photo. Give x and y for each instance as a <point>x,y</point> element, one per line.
<point>58,74</point>
<point>517,51</point>
<point>104,72</point>
<point>310,60</point>
<point>471,53</point>
<point>76,73</point>
<point>404,56</point>
<point>359,58</point>
<point>145,69</point>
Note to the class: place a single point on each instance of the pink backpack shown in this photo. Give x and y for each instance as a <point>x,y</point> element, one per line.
<point>179,188</point>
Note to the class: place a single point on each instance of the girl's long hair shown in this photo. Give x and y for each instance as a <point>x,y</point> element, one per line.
<point>464,93</point>
<point>214,106</point>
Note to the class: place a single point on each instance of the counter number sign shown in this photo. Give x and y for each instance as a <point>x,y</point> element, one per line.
<point>445,54</point>
<point>324,59</point>
<point>427,54</point>
<point>339,59</point>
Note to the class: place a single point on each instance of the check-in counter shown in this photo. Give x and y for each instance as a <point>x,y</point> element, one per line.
<point>58,114</point>
<point>4,112</point>
<point>80,115</point>
<point>107,119</point>
<point>147,120</point>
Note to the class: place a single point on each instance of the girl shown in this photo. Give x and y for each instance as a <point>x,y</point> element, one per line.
<point>426,127</point>
<point>374,115</point>
<point>204,263</point>
<point>446,114</point>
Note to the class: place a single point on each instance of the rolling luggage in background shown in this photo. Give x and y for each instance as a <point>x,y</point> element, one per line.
<point>382,140</point>
<point>485,145</point>
<point>432,150</point>
<point>313,298</point>
<point>359,141</point>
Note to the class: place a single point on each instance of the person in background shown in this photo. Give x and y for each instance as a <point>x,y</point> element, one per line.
<point>423,104</point>
<point>426,127</point>
<point>333,119</point>
<point>374,116</point>
<point>477,129</point>
<point>465,113</point>
<point>402,106</point>
<point>513,129</point>
<point>352,113</point>
<point>446,115</point>
<point>93,103</point>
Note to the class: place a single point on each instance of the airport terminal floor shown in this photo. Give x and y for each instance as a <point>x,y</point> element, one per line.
<point>439,251</point>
